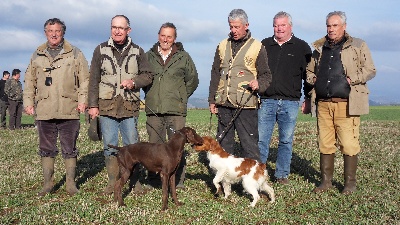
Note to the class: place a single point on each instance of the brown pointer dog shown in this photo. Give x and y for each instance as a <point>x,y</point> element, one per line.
<point>158,158</point>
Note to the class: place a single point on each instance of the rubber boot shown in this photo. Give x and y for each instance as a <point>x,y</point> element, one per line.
<point>153,179</point>
<point>326,166</point>
<point>350,169</point>
<point>181,173</point>
<point>48,174</point>
<point>113,173</point>
<point>70,168</point>
<point>135,179</point>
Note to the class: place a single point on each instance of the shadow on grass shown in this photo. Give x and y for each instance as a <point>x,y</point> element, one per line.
<point>300,166</point>
<point>87,167</point>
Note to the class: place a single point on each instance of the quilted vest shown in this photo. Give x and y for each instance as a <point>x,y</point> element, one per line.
<point>236,73</point>
<point>114,74</point>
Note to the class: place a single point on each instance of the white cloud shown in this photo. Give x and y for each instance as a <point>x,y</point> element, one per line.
<point>15,40</point>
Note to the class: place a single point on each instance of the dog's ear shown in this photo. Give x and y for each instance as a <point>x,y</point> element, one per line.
<point>210,143</point>
<point>189,135</point>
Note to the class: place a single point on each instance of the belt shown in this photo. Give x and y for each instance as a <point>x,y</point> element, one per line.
<point>333,99</point>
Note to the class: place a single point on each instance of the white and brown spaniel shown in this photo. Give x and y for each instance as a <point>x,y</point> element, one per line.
<point>230,169</point>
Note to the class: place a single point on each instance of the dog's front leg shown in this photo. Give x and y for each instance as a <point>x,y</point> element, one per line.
<point>217,179</point>
<point>173,189</point>
<point>164,180</point>
<point>124,175</point>
<point>118,193</point>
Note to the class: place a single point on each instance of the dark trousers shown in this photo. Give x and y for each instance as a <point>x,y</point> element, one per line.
<point>158,128</point>
<point>246,126</point>
<point>49,130</point>
<point>15,111</point>
<point>3,110</point>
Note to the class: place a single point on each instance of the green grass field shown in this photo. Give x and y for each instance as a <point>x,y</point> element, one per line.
<point>375,202</point>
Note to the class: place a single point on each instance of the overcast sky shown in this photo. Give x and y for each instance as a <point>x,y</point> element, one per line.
<point>201,26</point>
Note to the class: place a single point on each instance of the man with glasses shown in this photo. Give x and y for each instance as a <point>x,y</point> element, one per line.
<point>56,92</point>
<point>118,70</point>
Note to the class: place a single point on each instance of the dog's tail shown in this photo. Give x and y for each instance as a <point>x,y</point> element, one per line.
<point>115,147</point>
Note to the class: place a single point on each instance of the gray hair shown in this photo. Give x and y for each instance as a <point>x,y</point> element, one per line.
<point>341,14</point>
<point>238,14</point>
<point>123,16</point>
<point>168,25</point>
<point>282,14</point>
<point>54,21</point>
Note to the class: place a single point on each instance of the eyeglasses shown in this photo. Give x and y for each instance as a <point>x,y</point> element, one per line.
<point>119,28</point>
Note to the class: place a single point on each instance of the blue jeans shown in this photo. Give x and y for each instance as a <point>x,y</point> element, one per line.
<point>284,113</point>
<point>110,127</point>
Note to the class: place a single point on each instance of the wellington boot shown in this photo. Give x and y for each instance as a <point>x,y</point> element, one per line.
<point>48,174</point>
<point>326,166</point>
<point>135,180</point>
<point>350,169</point>
<point>70,167</point>
<point>181,173</point>
<point>113,173</point>
<point>153,180</point>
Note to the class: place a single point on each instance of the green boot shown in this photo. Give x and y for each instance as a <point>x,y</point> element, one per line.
<point>48,174</point>
<point>181,173</point>
<point>113,173</point>
<point>350,169</point>
<point>326,166</point>
<point>70,167</point>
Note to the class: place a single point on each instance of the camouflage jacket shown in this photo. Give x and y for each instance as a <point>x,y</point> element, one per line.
<point>13,88</point>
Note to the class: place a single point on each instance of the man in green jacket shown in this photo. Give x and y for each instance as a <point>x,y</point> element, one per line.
<point>175,80</point>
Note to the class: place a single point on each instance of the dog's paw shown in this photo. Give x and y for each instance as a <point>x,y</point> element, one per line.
<point>179,203</point>
<point>121,204</point>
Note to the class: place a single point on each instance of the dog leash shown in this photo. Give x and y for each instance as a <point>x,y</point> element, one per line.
<point>236,114</point>
<point>145,105</point>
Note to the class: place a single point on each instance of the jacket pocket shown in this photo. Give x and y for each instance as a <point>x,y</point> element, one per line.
<point>339,87</point>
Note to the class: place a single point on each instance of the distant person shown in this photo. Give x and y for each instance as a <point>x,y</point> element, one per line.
<point>118,70</point>
<point>3,100</point>
<point>288,57</point>
<point>56,93</point>
<point>13,90</point>
<point>239,71</point>
<point>339,69</point>
<point>175,80</point>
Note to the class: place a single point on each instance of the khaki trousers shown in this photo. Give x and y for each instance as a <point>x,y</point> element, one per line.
<point>337,129</point>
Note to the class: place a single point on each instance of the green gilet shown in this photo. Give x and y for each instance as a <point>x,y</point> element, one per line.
<point>114,74</point>
<point>236,73</point>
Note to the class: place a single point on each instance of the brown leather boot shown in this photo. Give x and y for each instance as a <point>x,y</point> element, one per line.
<point>326,166</point>
<point>350,169</point>
<point>70,167</point>
<point>48,174</point>
<point>113,173</point>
